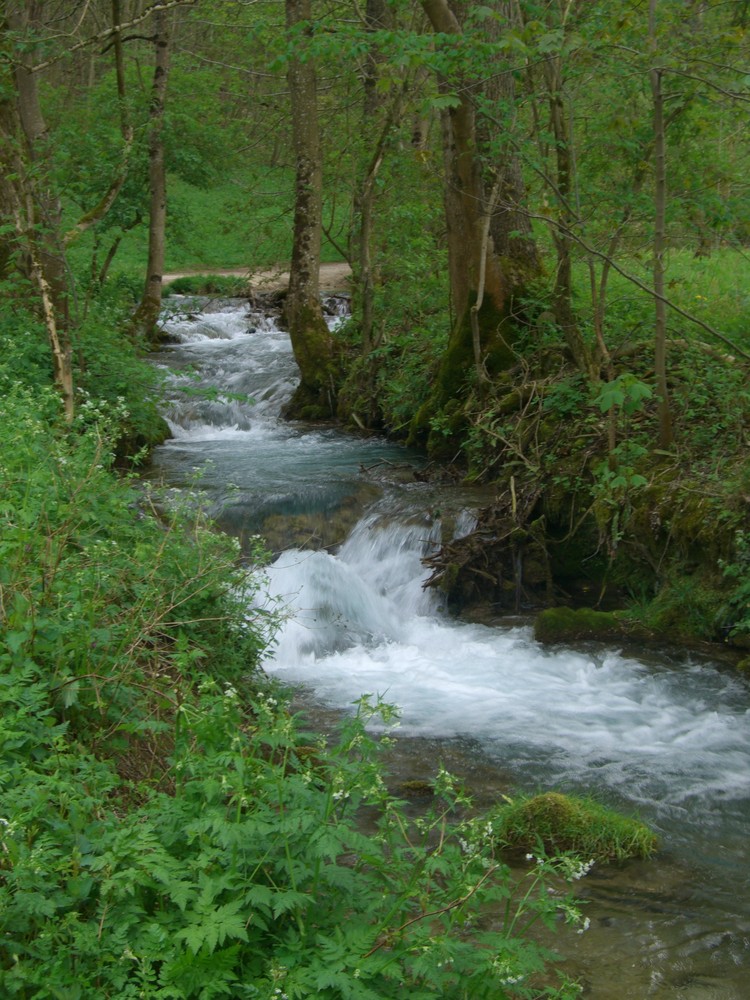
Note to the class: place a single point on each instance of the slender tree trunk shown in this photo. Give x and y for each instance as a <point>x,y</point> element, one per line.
<point>33,205</point>
<point>311,339</point>
<point>376,19</point>
<point>363,228</point>
<point>363,223</point>
<point>660,239</point>
<point>146,317</point>
<point>563,290</point>
<point>364,210</point>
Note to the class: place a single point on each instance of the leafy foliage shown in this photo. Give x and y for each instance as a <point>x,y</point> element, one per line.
<point>99,595</point>
<point>252,875</point>
<point>166,828</point>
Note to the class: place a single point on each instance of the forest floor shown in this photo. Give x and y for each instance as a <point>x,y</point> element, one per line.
<point>333,277</point>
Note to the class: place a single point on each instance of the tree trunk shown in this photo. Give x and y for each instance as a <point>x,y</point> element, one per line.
<point>563,289</point>
<point>33,206</point>
<point>376,19</point>
<point>660,241</point>
<point>469,254</point>
<point>483,281</point>
<point>146,317</point>
<point>363,224</point>
<point>510,226</point>
<point>311,339</point>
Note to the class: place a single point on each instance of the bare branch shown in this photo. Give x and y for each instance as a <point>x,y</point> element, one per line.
<point>107,34</point>
<point>642,285</point>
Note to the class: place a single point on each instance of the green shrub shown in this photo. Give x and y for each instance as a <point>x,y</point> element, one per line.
<point>251,876</point>
<point>113,373</point>
<point>108,368</point>
<point>101,591</point>
<point>734,615</point>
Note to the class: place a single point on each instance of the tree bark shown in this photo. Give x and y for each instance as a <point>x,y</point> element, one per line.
<point>364,223</point>
<point>483,280</point>
<point>660,239</point>
<point>311,339</point>
<point>33,206</point>
<point>145,320</point>
<point>563,289</point>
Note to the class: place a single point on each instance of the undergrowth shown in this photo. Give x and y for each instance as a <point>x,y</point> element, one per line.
<point>208,284</point>
<point>579,471</point>
<point>166,828</point>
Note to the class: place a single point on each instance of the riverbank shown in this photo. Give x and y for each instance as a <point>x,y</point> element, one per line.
<point>333,277</point>
<point>650,548</point>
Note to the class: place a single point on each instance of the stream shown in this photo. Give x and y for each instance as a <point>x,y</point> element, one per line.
<point>664,735</point>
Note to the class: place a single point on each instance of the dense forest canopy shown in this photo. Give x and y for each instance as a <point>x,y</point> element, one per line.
<point>479,166</point>
<point>544,207</point>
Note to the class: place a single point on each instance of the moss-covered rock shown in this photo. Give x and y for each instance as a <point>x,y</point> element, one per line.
<point>562,624</point>
<point>564,823</point>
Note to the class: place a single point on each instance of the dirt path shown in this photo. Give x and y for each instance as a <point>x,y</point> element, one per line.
<point>333,277</point>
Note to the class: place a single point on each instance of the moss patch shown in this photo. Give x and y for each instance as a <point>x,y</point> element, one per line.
<point>563,823</point>
<point>574,625</point>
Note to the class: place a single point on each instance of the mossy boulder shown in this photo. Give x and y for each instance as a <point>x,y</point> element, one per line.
<point>554,625</point>
<point>567,824</point>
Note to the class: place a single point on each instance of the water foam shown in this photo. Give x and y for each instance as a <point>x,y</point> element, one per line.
<point>362,623</point>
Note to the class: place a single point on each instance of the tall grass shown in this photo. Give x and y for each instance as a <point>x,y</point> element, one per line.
<point>715,289</point>
<point>244,222</point>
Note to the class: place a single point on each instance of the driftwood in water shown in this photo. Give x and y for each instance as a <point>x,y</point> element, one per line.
<point>503,562</point>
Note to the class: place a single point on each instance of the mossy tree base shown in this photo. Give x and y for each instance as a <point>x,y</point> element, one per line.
<point>315,396</point>
<point>441,421</point>
<point>312,403</point>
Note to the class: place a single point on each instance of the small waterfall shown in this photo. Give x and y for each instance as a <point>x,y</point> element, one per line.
<point>665,739</point>
<point>364,596</point>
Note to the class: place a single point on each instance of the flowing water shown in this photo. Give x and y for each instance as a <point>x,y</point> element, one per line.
<point>664,735</point>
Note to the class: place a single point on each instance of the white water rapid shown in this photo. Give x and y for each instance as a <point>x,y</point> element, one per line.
<point>666,736</point>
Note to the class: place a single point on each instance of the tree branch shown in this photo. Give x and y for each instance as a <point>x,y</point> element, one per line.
<point>432,913</point>
<point>106,35</point>
<point>640,284</point>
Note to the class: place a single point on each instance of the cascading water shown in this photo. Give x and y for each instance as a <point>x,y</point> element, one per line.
<point>665,735</point>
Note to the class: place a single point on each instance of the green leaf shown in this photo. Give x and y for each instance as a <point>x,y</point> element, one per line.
<point>224,922</point>
<point>284,902</point>
<point>443,101</point>
<point>259,895</point>
<point>69,692</point>
<point>14,640</point>
<point>609,397</point>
